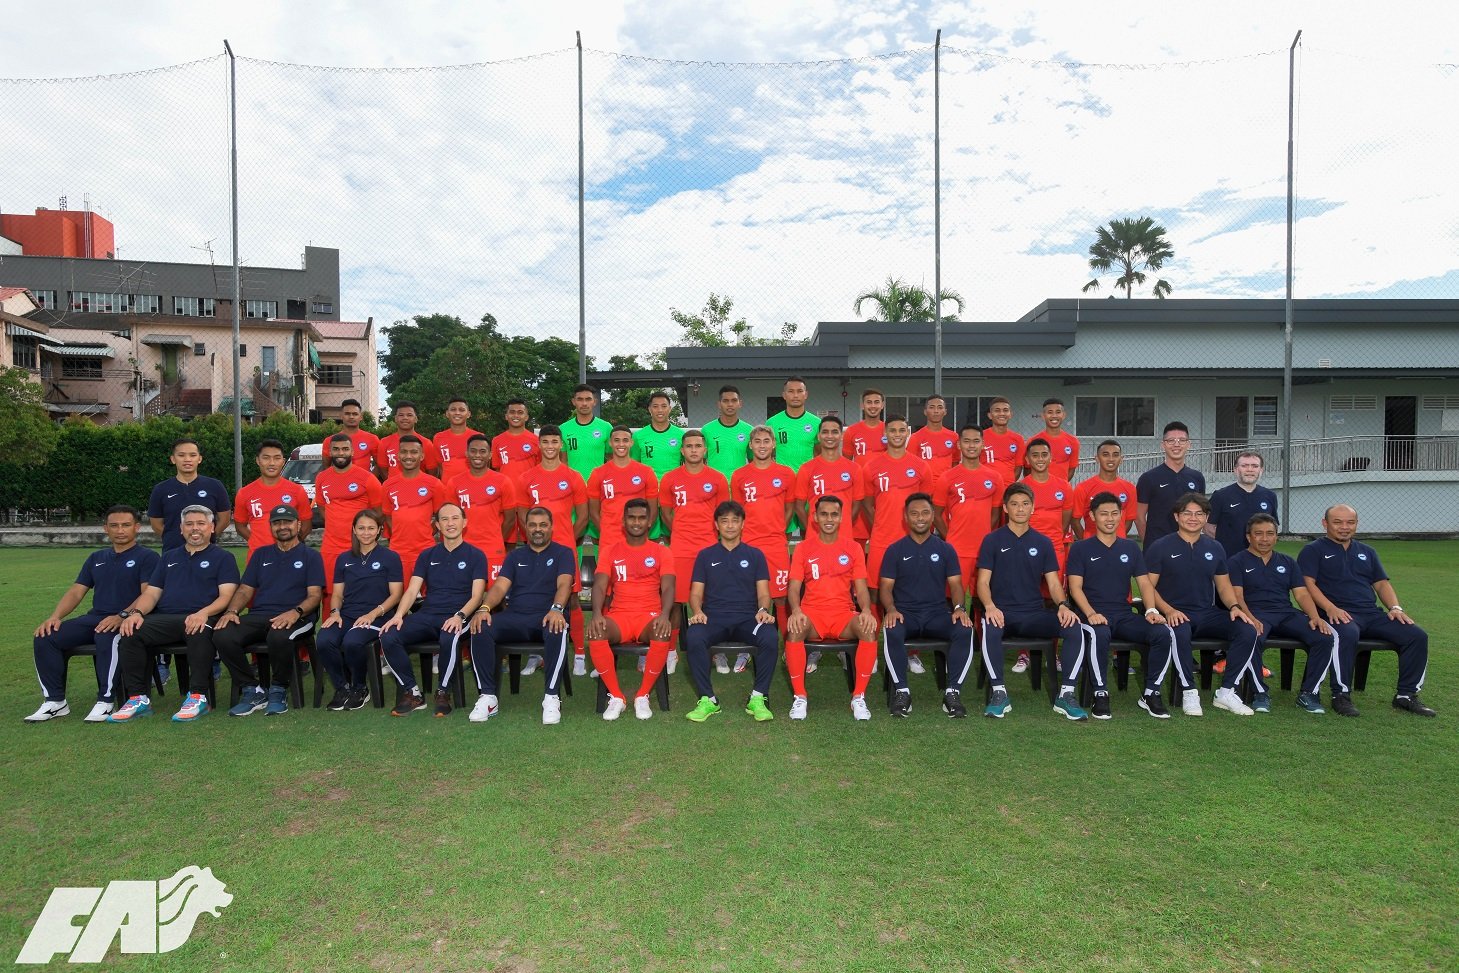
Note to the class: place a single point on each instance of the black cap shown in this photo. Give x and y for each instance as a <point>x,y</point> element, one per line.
<point>283,512</point>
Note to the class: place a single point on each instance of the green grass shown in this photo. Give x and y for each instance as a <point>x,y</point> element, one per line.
<point>357,841</point>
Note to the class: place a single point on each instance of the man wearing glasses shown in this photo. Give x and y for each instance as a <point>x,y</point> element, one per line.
<point>1159,491</point>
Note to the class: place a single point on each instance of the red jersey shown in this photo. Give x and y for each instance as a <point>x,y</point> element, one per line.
<point>514,452</point>
<point>634,574</point>
<point>485,498</point>
<point>1120,487</point>
<point>862,440</point>
<point>888,483</point>
<point>1064,450</point>
<point>452,447</point>
<point>764,494</point>
<point>937,448</point>
<point>560,490</point>
<point>819,478</point>
<point>827,572</point>
<point>387,460</point>
<point>342,494</point>
<point>968,500</point>
<point>255,502</point>
<point>409,503</point>
<point>1004,451</point>
<point>1050,499</point>
<point>692,497</point>
<point>364,447</point>
<point>613,486</point>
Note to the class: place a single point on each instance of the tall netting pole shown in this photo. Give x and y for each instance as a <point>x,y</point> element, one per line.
<point>582,262</point>
<point>937,212</point>
<point>1287,329</point>
<point>237,279</point>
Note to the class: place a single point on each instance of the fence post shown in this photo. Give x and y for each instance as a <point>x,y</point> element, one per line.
<point>1287,326</point>
<point>237,281</point>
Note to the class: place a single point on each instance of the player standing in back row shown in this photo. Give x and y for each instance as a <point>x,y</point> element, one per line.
<point>727,437</point>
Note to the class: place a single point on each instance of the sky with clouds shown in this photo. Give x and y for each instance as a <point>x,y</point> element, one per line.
<point>779,153</point>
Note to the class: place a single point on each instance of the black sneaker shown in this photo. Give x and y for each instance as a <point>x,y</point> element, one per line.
<point>443,702</point>
<point>901,704</point>
<point>952,704</point>
<point>1412,704</point>
<point>1101,707</point>
<point>1342,705</point>
<point>407,701</point>
<point>359,696</point>
<point>1154,704</point>
<point>340,701</point>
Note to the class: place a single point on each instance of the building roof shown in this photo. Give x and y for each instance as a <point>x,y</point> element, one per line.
<point>7,292</point>
<point>107,321</point>
<point>342,329</point>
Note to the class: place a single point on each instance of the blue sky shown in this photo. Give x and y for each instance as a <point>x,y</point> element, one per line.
<point>779,153</point>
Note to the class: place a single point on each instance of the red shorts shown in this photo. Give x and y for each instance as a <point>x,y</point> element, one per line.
<point>683,575</point>
<point>778,560</point>
<point>631,624</point>
<point>873,567</point>
<point>829,623</point>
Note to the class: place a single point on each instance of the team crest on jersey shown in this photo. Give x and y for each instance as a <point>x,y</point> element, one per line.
<point>526,447</point>
<point>775,482</point>
<point>562,484</point>
<point>1281,569</point>
<point>131,564</point>
<point>549,562</point>
<point>843,559</point>
<point>673,442</point>
<point>935,558</point>
<point>1124,498</point>
<point>202,564</point>
<point>1210,556</point>
<point>597,434</point>
<point>298,565</point>
<point>987,484</point>
<point>1013,447</point>
<point>741,437</point>
<point>744,564</point>
<point>845,477</point>
<point>1191,484</point>
<point>709,488</point>
<point>287,498</point>
<point>1058,494</point>
<point>637,480</point>
<point>491,491</point>
<point>423,491</point>
<point>1068,450</point>
<point>648,562</point>
<point>364,446</point>
<point>1124,559</point>
<point>202,493</point>
<point>374,565</point>
<point>1361,557</point>
<point>1263,505</point>
<point>911,472</point>
<point>1033,552</point>
<point>460,565</point>
<point>806,428</point>
<point>354,488</point>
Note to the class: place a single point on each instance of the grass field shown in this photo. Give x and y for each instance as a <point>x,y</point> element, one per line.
<point>356,841</point>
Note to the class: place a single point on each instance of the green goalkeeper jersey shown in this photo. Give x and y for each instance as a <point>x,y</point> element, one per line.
<point>795,439</point>
<point>659,451</point>
<point>585,447</point>
<point>729,446</point>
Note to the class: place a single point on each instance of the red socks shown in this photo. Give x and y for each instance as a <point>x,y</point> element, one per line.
<point>865,662</point>
<point>795,663</point>
<point>653,664</point>
<point>602,657</point>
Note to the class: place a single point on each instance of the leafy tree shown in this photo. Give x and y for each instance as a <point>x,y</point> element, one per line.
<point>898,302</point>
<point>712,327</point>
<point>487,368</point>
<point>410,345</point>
<point>629,407</point>
<point>27,434</point>
<point>1132,246</point>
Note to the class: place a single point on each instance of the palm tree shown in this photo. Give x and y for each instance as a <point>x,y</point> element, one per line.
<point>899,301</point>
<point>1134,246</point>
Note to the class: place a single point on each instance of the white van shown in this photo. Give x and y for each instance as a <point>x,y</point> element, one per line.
<point>303,466</point>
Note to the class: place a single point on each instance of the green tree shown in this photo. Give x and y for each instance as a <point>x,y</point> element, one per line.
<point>712,327</point>
<point>1131,246</point>
<point>410,345</point>
<point>899,302</point>
<point>487,369</point>
<point>27,434</point>
<point>629,407</point>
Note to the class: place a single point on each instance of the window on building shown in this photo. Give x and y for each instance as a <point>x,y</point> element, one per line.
<point>322,307</point>
<point>270,359</point>
<point>25,353</point>
<point>1264,415</point>
<point>200,350</point>
<point>81,367</point>
<point>195,307</point>
<point>116,303</point>
<point>896,405</point>
<point>335,374</point>
<point>242,351</point>
<point>45,299</point>
<point>964,409</point>
<point>261,309</point>
<point>1114,415</point>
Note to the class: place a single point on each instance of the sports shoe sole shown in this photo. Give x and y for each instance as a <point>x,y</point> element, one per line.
<point>1146,707</point>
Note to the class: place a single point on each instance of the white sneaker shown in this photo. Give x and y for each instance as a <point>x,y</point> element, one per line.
<point>915,666</point>
<point>1190,703</point>
<point>98,713</point>
<point>798,708</point>
<point>614,709</point>
<point>49,711</point>
<point>385,671</point>
<point>672,662</point>
<point>485,709</point>
<point>579,666</point>
<point>641,661</point>
<point>858,708</point>
<point>1227,700</point>
<point>1021,663</point>
<point>435,665</point>
<point>842,657</point>
<point>742,662</point>
<point>642,708</point>
<point>812,662</point>
<point>533,661</point>
<point>551,710</point>
<point>721,663</point>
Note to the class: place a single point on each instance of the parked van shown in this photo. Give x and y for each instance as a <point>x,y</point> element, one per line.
<point>303,466</point>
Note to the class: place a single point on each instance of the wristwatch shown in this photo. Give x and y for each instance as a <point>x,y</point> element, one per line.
<point>556,608</point>
<point>124,614</point>
<point>1152,611</point>
<point>461,615</point>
